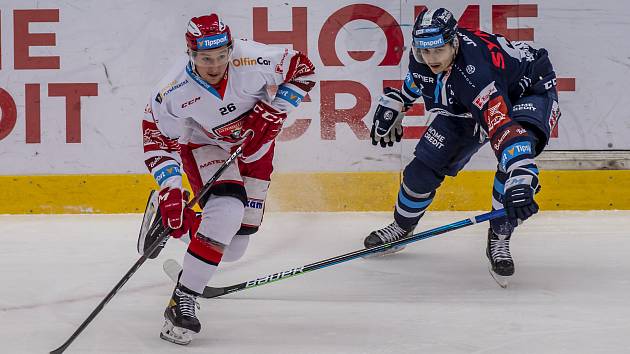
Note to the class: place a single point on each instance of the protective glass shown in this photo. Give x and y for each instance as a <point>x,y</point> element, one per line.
<point>211,58</point>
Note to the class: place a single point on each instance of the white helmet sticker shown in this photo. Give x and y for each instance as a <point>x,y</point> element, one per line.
<point>221,25</point>
<point>193,29</point>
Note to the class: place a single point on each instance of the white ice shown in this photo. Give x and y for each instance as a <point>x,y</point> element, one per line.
<point>569,294</point>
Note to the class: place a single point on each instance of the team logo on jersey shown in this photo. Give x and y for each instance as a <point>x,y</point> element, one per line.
<point>470,69</point>
<point>496,115</point>
<point>230,132</point>
<point>484,96</point>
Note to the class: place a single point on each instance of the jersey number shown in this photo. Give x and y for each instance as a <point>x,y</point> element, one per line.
<point>227,109</point>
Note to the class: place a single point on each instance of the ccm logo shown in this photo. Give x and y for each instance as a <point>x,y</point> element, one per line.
<point>551,83</point>
<point>186,104</point>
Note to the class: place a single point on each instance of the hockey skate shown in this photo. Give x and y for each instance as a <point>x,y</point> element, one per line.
<point>151,227</point>
<point>389,233</point>
<point>180,320</point>
<point>498,252</point>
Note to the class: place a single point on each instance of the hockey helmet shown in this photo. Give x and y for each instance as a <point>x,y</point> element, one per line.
<point>433,29</point>
<point>209,40</point>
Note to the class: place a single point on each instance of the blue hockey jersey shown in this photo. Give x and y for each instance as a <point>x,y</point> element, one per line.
<point>488,75</point>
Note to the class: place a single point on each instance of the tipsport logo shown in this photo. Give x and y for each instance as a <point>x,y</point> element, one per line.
<point>411,85</point>
<point>289,95</point>
<point>166,172</point>
<point>430,42</point>
<point>212,41</point>
<point>514,151</point>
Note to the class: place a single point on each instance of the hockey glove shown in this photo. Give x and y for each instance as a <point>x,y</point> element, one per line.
<point>387,122</point>
<point>519,201</point>
<point>175,214</point>
<point>261,127</point>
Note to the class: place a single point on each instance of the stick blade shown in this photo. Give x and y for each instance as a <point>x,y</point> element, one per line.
<point>210,292</point>
<point>172,269</point>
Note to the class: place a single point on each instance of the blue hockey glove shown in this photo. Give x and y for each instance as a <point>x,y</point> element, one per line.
<point>387,122</point>
<point>519,201</point>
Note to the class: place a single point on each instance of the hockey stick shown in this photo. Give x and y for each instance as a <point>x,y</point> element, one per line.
<point>172,268</point>
<point>143,258</point>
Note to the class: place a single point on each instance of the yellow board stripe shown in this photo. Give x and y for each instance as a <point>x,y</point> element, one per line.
<point>351,191</point>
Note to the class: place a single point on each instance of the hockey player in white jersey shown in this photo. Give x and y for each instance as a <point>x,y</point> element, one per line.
<point>218,97</point>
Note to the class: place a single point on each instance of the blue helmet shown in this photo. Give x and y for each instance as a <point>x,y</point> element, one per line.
<point>433,28</point>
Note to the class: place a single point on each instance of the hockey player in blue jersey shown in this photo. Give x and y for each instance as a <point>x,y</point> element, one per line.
<point>480,88</point>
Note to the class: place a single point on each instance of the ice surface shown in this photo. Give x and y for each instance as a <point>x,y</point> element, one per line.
<point>569,294</point>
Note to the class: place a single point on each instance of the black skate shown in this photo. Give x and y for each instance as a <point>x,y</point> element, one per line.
<point>498,253</point>
<point>151,227</point>
<point>389,233</point>
<point>180,320</point>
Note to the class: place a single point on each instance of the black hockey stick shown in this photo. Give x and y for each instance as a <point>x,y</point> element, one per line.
<point>144,257</point>
<point>172,268</point>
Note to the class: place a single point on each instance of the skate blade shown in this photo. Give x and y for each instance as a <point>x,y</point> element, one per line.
<point>176,335</point>
<point>386,252</point>
<point>501,280</point>
<point>172,269</point>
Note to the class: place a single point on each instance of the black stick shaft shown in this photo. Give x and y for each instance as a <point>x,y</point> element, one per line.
<point>144,257</point>
<point>210,292</point>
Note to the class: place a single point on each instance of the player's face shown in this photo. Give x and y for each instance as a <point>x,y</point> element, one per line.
<point>438,59</point>
<point>211,64</point>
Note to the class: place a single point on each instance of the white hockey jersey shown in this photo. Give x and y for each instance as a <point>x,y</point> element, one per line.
<point>185,109</point>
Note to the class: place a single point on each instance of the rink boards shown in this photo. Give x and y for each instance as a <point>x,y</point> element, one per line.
<point>367,191</point>
<point>72,93</point>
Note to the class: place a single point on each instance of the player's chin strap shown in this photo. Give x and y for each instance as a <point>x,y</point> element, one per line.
<point>164,235</point>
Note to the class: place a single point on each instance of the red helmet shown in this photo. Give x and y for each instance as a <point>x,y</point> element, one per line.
<point>207,32</point>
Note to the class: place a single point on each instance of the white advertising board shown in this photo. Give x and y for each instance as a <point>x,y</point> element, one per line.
<point>75,76</point>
